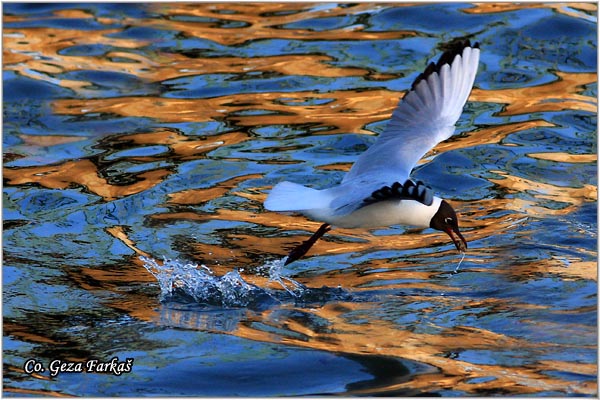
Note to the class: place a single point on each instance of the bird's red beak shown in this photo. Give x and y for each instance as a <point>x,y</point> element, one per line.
<point>458,239</point>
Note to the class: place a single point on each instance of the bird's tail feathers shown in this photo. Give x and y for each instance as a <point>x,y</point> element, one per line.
<point>288,196</point>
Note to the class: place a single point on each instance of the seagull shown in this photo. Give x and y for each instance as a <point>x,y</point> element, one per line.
<point>377,191</point>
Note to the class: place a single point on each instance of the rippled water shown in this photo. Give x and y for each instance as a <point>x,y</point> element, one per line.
<point>141,140</point>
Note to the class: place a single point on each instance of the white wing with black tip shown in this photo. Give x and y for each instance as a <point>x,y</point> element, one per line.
<point>425,116</point>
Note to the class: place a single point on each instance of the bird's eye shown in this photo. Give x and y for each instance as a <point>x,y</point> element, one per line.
<point>448,220</point>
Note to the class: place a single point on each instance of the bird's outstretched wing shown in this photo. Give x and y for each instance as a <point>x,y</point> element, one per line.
<point>425,116</point>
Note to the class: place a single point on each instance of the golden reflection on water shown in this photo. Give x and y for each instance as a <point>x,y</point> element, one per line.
<point>575,196</point>
<point>35,53</point>
<point>265,22</point>
<point>348,111</point>
<point>84,173</point>
<point>48,42</point>
<point>577,10</point>
<point>358,108</point>
<point>562,94</point>
<point>566,157</point>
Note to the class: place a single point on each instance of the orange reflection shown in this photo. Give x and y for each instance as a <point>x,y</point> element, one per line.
<point>547,191</point>
<point>565,157</point>
<point>388,339</point>
<point>197,196</point>
<point>559,95</point>
<point>348,111</point>
<point>577,10</point>
<point>84,173</point>
<point>23,47</point>
<point>266,21</point>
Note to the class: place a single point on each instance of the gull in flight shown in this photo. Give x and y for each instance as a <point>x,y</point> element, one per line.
<point>377,191</point>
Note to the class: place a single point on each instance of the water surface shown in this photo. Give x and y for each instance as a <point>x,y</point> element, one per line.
<point>144,138</point>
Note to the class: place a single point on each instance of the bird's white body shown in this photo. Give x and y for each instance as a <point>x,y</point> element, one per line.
<point>383,213</point>
<point>424,117</point>
<point>317,204</point>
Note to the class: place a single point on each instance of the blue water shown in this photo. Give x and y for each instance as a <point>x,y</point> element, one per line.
<point>141,138</point>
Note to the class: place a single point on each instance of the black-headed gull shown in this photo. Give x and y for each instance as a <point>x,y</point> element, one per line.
<point>377,191</point>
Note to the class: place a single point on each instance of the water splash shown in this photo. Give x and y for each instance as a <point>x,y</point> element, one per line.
<point>188,282</point>
<point>460,262</point>
<point>181,281</point>
<point>275,274</point>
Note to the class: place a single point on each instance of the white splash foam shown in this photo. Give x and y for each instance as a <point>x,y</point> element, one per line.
<point>275,271</point>
<point>178,280</point>
<point>460,262</point>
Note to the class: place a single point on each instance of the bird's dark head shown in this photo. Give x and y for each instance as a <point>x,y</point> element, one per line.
<point>445,220</point>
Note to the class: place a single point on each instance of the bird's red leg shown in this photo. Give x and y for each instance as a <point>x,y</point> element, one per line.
<point>303,247</point>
